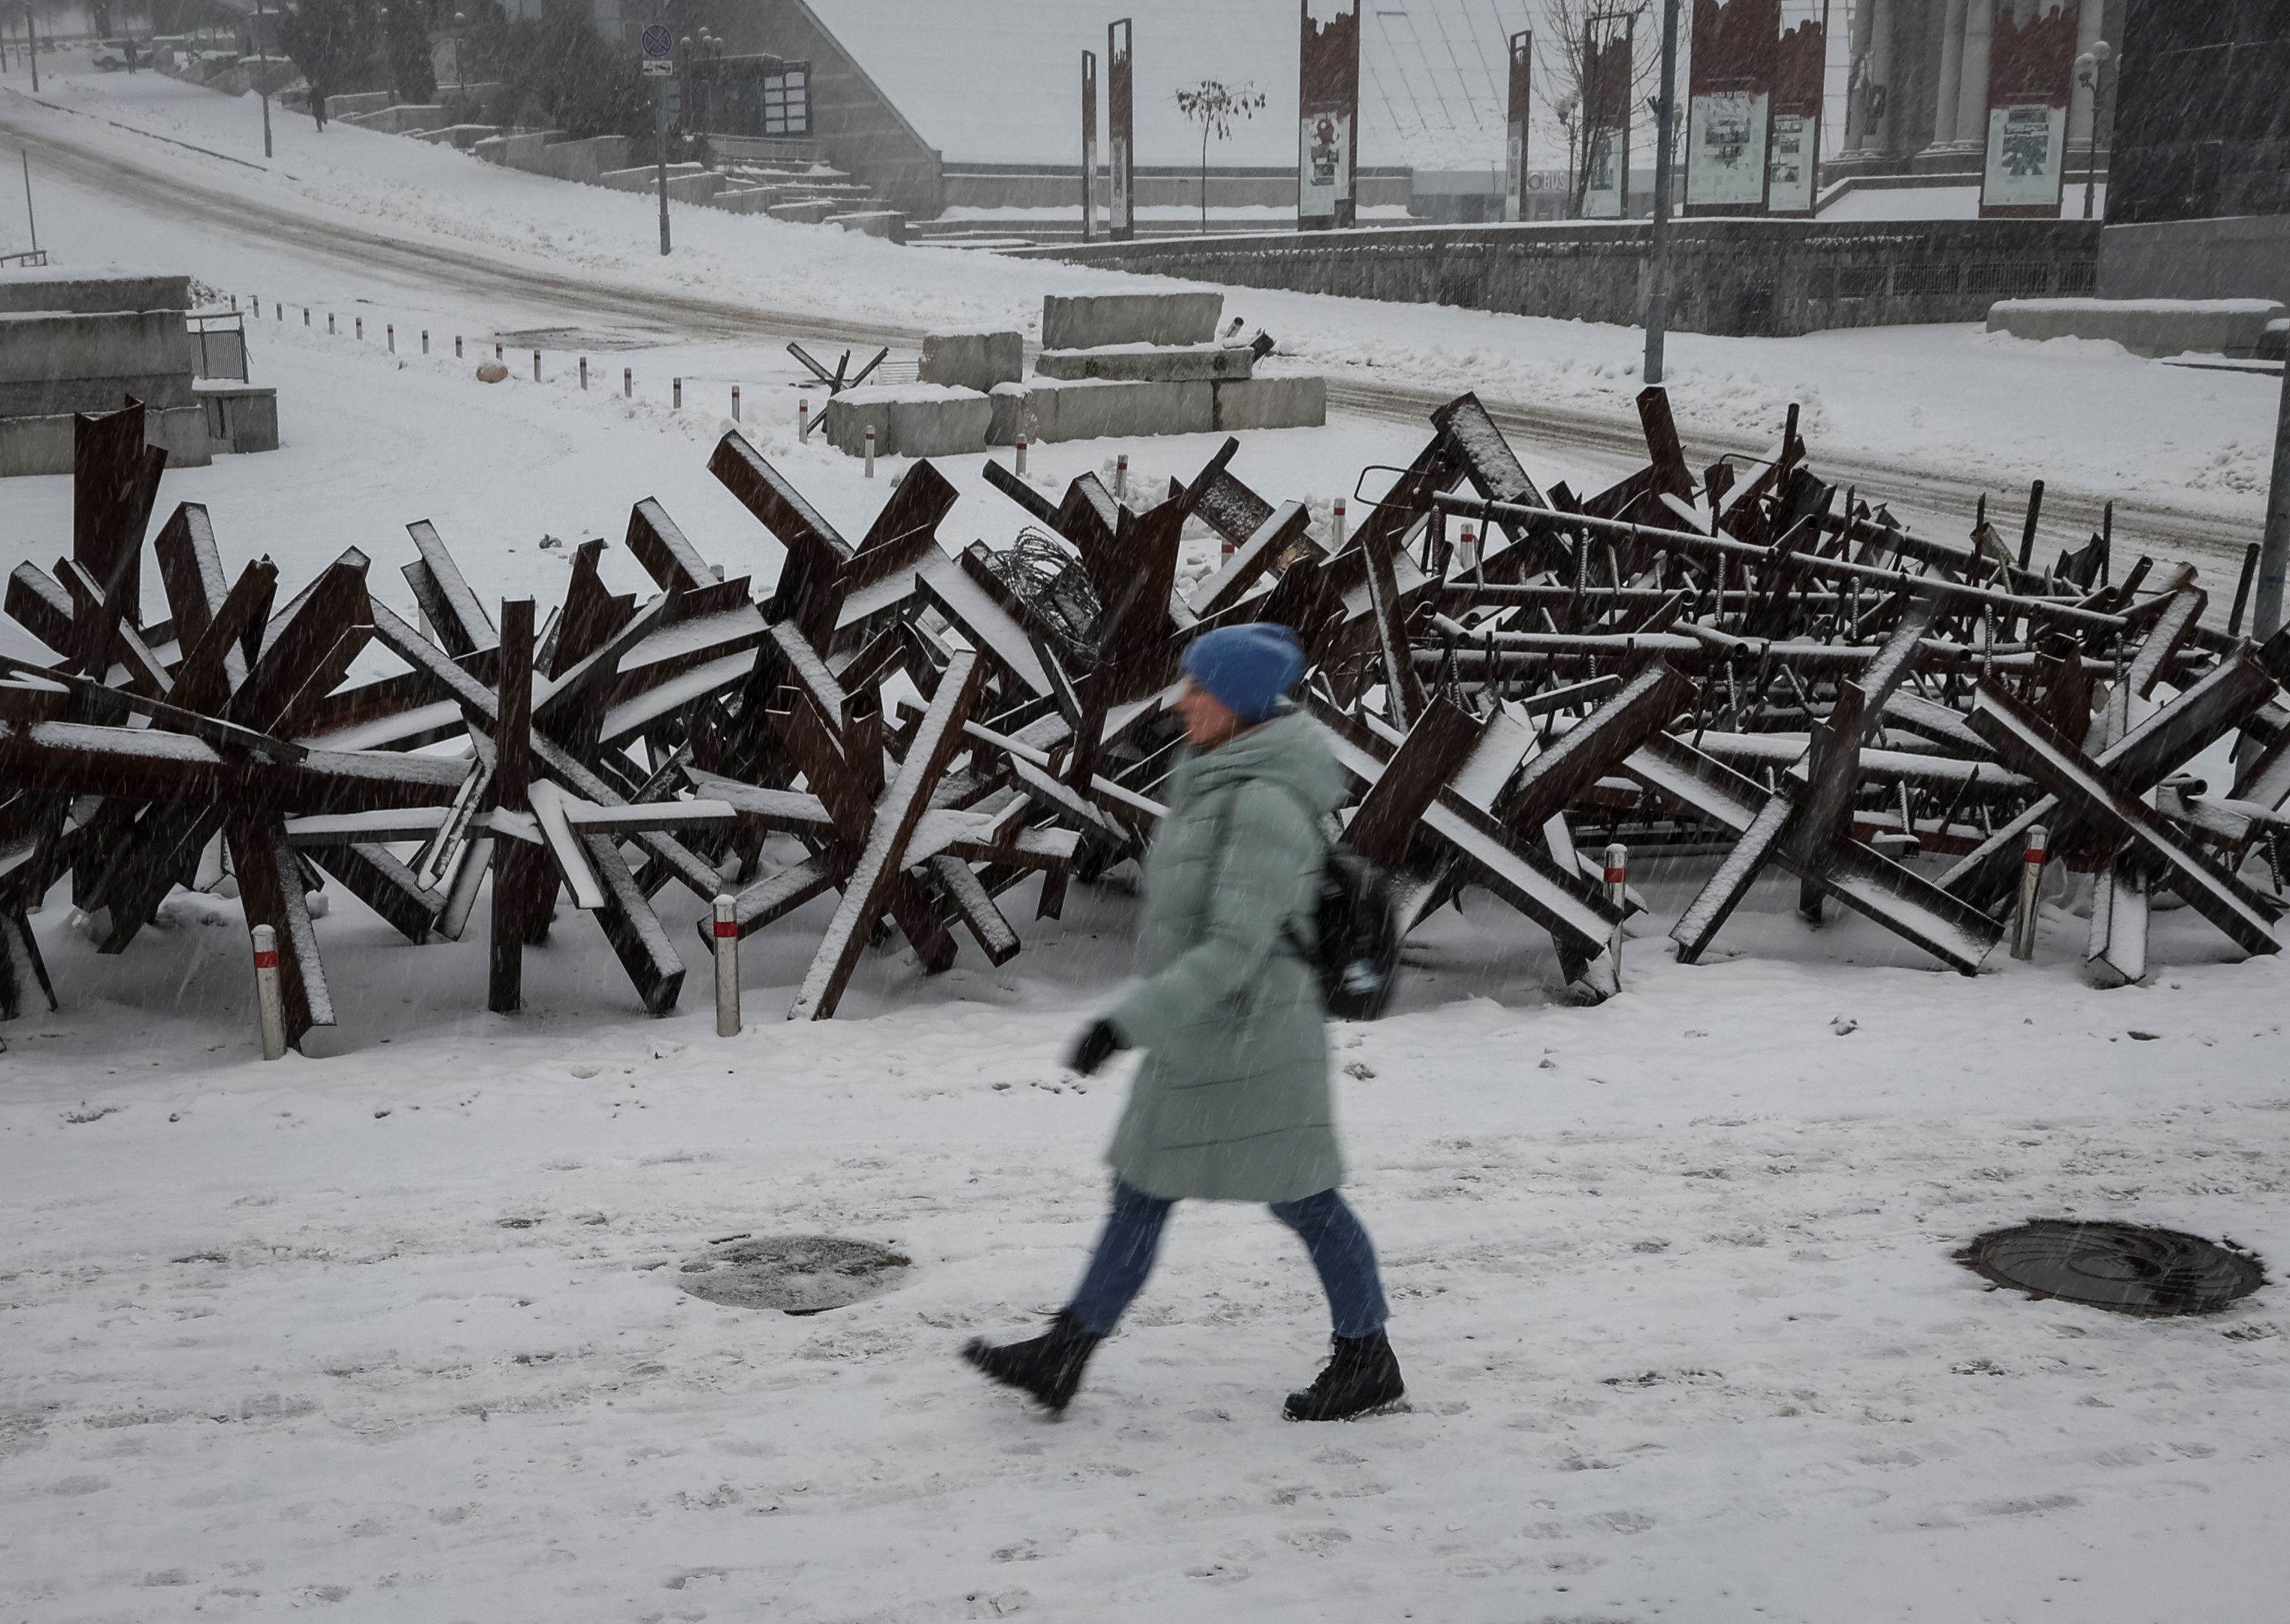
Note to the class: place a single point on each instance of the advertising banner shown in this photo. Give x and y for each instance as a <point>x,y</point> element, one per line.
<point>2030,80</point>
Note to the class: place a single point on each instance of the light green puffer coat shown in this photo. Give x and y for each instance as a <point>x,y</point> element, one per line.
<point>1231,1102</point>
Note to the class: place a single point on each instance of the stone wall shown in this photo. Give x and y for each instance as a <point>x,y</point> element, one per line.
<point>1738,277</point>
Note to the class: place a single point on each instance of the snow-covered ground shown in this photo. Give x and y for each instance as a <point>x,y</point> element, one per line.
<point>339,1334</point>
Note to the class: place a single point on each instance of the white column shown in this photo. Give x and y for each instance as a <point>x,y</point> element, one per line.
<point>1971,106</point>
<point>1877,134</point>
<point>2080,108</point>
<point>1951,75</point>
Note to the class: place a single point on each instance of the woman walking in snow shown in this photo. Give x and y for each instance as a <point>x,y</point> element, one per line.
<point>1231,1102</point>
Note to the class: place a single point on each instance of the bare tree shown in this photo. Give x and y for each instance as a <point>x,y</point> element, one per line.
<point>1214,104</point>
<point>1561,47</point>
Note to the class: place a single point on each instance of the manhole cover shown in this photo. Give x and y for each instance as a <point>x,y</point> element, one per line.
<point>796,1274</point>
<point>2127,1268</point>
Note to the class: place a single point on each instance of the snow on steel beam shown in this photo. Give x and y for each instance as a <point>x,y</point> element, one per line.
<point>864,895</point>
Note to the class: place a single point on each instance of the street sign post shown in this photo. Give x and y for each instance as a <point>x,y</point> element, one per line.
<point>659,62</point>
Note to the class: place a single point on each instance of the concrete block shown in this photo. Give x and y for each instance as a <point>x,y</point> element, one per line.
<point>582,160</point>
<point>44,444</point>
<point>803,213</point>
<point>1008,401</point>
<point>1149,363</point>
<point>910,421</point>
<point>2143,326</point>
<point>363,101</point>
<point>1090,321</point>
<point>694,187</point>
<point>38,346</point>
<point>1271,402</point>
<point>240,417</point>
<point>48,396</point>
<point>518,148</point>
<point>643,178</point>
<point>42,288</point>
<point>462,137</point>
<point>741,200</point>
<point>889,224</point>
<point>406,118</point>
<point>1096,408</point>
<point>972,360</point>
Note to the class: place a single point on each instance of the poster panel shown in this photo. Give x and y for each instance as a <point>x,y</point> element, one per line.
<point>1726,144</point>
<point>1522,57</point>
<point>2027,156</point>
<point>1088,145</point>
<point>1327,106</point>
<point>1324,180</point>
<point>1602,186</point>
<point>1121,132</point>
<point>1789,185</point>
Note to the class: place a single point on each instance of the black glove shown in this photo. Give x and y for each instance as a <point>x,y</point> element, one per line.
<point>1099,1044</point>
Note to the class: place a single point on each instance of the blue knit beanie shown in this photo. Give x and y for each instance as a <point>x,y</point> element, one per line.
<point>1248,670</point>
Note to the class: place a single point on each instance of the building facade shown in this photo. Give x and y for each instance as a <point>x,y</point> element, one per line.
<point>2200,207</point>
<point>1917,101</point>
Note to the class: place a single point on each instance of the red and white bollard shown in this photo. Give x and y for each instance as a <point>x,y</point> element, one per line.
<point>497,351</point>
<point>2031,879</point>
<point>802,421</point>
<point>584,373</point>
<point>675,393</point>
<point>627,383</point>
<point>870,451</point>
<point>330,324</point>
<point>390,332</point>
<point>1466,554</point>
<point>1121,476</point>
<point>735,403</point>
<point>306,316</point>
<point>425,341</point>
<point>536,366</point>
<point>357,328</point>
<point>270,1002</point>
<point>1618,892</point>
<point>1021,456</point>
<point>727,967</point>
<point>1336,529</point>
<point>457,347</point>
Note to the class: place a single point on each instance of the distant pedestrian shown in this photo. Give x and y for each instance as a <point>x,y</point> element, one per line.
<point>1231,1101</point>
<point>317,105</point>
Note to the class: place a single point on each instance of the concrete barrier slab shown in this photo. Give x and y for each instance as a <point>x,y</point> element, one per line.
<point>1271,402</point>
<point>1097,408</point>
<point>26,287</point>
<point>44,345</point>
<point>889,224</point>
<point>1090,321</point>
<point>910,421</point>
<point>1008,403</point>
<point>1148,362</point>
<point>972,360</point>
<point>803,213</point>
<point>741,200</point>
<point>2143,326</point>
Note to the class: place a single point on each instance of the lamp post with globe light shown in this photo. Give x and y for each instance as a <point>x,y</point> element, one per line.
<point>2091,71</point>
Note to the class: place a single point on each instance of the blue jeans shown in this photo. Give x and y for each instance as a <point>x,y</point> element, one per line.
<point>1339,1249</point>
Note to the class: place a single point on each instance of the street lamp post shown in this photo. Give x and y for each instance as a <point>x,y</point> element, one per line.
<point>1657,317</point>
<point>460,49</point>
<point>1565,107</point>
<point>263,75</point>
<point>2091,68</point>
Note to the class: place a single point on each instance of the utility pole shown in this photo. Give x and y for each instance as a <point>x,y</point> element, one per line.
<point>659,126</point>
<point>263,57</point>
<point>32,46</point>
<point>2274,541</point>
<point>2091,69</point>
<point>1657,315</point>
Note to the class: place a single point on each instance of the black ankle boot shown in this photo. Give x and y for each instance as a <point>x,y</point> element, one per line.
<point>1048,1366</point>
<point>1362,1376</point>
